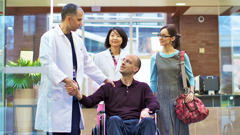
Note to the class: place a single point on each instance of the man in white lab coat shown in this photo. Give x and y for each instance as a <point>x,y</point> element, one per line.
<point>65,57</point>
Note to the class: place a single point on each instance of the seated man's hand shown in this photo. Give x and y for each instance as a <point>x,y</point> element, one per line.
<point>72,89</point>
<point>144,113</point>
<point>73,84</point>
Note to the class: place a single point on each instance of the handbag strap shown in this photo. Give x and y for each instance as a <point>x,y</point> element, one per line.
<point>184,80</point>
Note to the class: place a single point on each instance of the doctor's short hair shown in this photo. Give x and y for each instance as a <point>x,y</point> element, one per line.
<point>121,32</point>
<point>69,10</point>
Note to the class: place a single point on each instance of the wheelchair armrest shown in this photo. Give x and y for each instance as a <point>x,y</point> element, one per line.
<point>155,112</point>
<point>102,122</point>
<point>101,112</point>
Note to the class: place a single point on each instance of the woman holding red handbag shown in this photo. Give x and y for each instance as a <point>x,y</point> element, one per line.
<point>166,81</point>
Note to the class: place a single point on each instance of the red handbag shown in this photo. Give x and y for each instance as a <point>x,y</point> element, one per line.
<point>193,111</point>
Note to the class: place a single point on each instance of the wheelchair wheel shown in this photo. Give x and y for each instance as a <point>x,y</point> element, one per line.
<point>158,132</point>
<point>95,130</point>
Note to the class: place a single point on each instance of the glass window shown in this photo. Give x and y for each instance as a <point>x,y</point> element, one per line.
<point>149,16</point>
<point>143,32</point>
<point>143,74</point>
<point>236,76</point>
<point>29,22</point>
<point>236,41</point>
<point>229,33</point>
<point>9,26</point>
<point>146,41</point>
<point>106,16</point>
<point>95,35</point>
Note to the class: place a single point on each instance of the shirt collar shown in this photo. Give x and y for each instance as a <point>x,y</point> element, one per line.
<point>59,30</point>
<point>119,83</point>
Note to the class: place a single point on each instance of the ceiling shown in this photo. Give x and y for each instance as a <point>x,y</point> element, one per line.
<point>191,7</point>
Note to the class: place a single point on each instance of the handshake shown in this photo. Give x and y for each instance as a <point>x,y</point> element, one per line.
<point>72,88</point>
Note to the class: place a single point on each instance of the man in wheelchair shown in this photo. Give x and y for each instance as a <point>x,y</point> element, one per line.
<point>127,105</point>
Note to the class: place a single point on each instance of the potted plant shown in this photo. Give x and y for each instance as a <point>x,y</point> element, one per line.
<point>21,86</point>
<point>22,81</point>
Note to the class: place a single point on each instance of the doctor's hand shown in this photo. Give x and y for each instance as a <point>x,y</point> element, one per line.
<point>71,83</point>
<point>109,81</point>
<point>73,92</point>
<point>144,113</point>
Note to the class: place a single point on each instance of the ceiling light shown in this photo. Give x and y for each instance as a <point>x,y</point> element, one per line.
<point>61,4</point>
<point>180,4</point>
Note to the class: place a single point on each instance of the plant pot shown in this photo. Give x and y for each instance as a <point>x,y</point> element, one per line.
<point>23,107</point>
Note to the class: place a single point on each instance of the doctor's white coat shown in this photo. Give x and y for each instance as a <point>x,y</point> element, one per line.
<point>54,108</point>
<point>104,61</point>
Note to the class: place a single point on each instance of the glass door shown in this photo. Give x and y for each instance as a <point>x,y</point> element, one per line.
<point>20,31</point>
<point>2,42</point>
<point>229,44</point>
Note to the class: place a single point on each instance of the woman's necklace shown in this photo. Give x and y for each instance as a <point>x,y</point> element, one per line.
<point>114,60</point>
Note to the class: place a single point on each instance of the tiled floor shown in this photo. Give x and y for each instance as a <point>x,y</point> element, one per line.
<point>221,121</point>
<point>90,118</point>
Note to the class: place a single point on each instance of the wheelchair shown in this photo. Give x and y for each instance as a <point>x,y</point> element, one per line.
<point>101,129</point>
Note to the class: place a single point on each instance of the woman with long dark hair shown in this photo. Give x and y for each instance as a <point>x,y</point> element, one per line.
<point>110,60</point>
<point>166,81</point>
